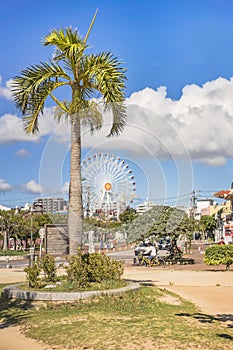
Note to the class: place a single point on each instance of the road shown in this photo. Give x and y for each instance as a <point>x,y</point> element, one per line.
<point>124,255</point>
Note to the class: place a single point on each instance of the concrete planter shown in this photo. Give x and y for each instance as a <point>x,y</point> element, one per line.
<point>14,292</point>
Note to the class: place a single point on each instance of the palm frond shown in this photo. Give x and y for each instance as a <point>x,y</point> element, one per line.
<point>31,89</point>
<point>60,113</point>
<point>91,25</point>
<point>68,45</point>
<point>35,106</point>
<point>119,118</point>
<point>105,74</point>
<point>92,116</point>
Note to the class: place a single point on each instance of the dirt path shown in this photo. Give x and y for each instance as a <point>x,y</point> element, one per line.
<point>211,291</point>
<point>12,339</point>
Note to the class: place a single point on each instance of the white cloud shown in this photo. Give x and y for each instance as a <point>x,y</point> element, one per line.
<point>11,130</point>
<point>198,125</point>
<point>4,186</point>
<point>5,91</point>
<point>31,187</point>
<point>22,153</point>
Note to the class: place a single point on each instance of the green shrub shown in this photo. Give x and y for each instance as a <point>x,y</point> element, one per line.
<point>219,254</point>
<point>47,263</point>
<point>86,268</point>
<point>77,270</point>
<point>102,268</point>
<point>82,270</point>
<point>33,275</point>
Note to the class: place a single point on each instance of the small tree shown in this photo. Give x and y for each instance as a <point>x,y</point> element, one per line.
<point>219,254</point>
<point>207,224</point>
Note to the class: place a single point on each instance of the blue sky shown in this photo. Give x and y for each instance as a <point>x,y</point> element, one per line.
<point>178,56</point>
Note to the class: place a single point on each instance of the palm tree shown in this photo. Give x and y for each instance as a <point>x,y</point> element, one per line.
<point>91,78</point>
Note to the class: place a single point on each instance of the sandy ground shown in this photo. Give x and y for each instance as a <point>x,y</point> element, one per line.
<point>210,290</point>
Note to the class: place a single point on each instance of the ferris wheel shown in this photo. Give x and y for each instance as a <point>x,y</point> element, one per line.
<point>107,183</point>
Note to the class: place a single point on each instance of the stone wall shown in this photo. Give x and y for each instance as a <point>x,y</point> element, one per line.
<point>56,240</point>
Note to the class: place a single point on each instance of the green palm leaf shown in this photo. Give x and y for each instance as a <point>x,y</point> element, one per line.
<point>31,89</point>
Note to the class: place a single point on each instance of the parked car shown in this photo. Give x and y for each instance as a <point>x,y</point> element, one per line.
<point>164,244</point>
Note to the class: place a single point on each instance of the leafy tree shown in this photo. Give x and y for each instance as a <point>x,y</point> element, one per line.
<point>43,219</point>
<point>58,218</point>
<point>107,224</point>
<point>128,215</point>
<point>219,254</point>
<point>12,226</point>
<point>20,226</point>
<point>161,221</point>
<point>87,76</point>
<point>207,224</point>
<point>5,227</point>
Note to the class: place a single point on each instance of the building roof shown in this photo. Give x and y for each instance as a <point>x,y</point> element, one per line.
<point>225,194</point>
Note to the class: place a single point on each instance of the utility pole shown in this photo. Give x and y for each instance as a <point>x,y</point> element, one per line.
<point>194,197</point>
<point>88,201</point>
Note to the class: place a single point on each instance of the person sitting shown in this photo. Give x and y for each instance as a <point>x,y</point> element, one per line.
<point>221,241</point>
<point>152,253</point>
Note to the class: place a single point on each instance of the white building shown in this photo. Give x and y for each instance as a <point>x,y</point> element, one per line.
<point>141,208</point>
<point>50,204</point>
<point>2,207</point>
<point>203,207</point>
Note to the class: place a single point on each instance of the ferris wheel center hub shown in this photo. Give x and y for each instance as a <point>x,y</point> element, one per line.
<point>107,186</point>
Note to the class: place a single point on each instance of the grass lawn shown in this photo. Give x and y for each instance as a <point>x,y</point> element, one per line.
<point>10,253</point>
<point>149,318</point>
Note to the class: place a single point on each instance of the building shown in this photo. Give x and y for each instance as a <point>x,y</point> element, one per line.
<point>2,207</point>
<point>141,208</point>
<point>225,220</point>
<point>50,205</point>
<point>202,208</point>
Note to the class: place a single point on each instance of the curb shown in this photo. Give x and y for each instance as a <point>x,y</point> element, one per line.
<point>14,292</point>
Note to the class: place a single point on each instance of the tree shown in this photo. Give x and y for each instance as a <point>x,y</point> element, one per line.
<point>162,221</point>
<point>128,215</point>
<point>88,76</point>
<point>5,227</point>
<point>219,254</point>
<point>20,226</point>
<point>207,224</point>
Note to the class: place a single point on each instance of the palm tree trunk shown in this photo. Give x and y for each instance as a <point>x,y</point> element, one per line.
<point>75,215</point>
